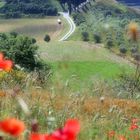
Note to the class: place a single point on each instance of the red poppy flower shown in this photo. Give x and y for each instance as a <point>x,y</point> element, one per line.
<point>35,136</point>
<point>5,64</point>
<point>69,132</point>
<point>111,134</point>
<point>12,126</point>
<point>133,127</point>
<point>122,138</point>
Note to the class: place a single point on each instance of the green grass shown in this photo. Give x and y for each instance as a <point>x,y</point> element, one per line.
<point>78,51</point>
<point>87,70</point>
<point>81,63</point>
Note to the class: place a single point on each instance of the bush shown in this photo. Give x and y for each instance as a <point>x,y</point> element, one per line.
<point>136,56</point>
<point>109,43</point>
<point>97,37</point>
<point>21,50</point>
<point>33,40</point>
<point>47,38</point>
<point>85,36</point>
<point>123,50</point>
<point>133,50</point>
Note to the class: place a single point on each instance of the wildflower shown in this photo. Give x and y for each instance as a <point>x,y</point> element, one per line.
<point>133,127</point>
<point>69,132</point>
<point>12,126</point>
<point>36,136</point>
<point>133,31</point>
<point>102,99</point>
<point>111,134</point>
<point>122,138</point>
<point>5,65</point>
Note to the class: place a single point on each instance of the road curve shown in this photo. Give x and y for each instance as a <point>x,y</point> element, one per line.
<point>72,26</point>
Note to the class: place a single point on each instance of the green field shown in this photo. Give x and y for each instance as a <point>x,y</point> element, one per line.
<point>85,61</point>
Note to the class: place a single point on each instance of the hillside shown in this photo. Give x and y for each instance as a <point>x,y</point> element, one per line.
<point>106,22</point>
<point>61,81</point>
<point>95,16</point>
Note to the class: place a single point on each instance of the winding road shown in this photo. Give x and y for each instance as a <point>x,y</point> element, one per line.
<point>71,24</point>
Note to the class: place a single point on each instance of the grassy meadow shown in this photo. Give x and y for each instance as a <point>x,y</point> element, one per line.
<point>84,84</point>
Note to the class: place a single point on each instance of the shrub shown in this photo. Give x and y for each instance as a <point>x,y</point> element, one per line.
<point>85,36</point>
<point>33,40</point>
<point>20,49</point>
<point>109,43</point>
<point>97,37</point>
<point>123,50</point>
<point>47,38</point>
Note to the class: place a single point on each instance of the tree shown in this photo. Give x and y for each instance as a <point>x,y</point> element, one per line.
<point>97,37</point>
<point>21,50</point>
<point>85,36</point>
<point>47,38</point>
<point>123,50</point>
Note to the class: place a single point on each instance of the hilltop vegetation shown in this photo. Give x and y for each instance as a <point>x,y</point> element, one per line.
<point>107,23</point>
<point>18,8</point>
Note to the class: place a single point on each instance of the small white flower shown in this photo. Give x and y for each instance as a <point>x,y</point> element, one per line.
<point>102,99</point>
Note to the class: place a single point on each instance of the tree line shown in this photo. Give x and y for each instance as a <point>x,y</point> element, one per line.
<point>17,8</point>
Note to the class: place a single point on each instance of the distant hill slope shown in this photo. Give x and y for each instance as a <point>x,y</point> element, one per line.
<point>18,8</point>
<point>106,18</point>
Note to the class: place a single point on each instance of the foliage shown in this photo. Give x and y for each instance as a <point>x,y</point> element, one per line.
<point>108,19</point>
<point>97,37</point>
<point>123,50</point>
<point>15,9</point>
<point>78,18</point>
<point>85,36</point>
<point>109,42</point>
<point>47,38</point>
<point>20,49</point>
